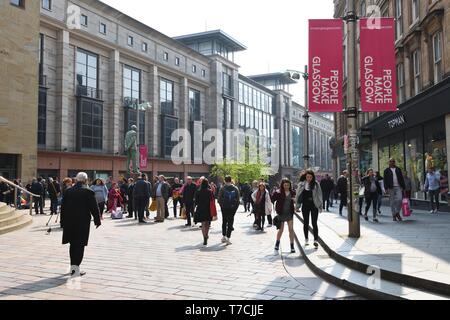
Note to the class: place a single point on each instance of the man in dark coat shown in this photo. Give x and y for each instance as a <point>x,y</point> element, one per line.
<point>37,189</point>
<point>141,194</point>
<point>394,184</point>
<point>131,208</point>
<point>78,205</point>
<point>188,199</point>
<point>342,185</point>
<point>54,191</point>
<point>327,185</point>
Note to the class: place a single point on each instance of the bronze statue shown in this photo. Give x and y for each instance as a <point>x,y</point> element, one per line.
<point>131,150</point>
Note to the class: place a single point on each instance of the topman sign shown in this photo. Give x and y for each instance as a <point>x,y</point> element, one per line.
<point>397,122</point>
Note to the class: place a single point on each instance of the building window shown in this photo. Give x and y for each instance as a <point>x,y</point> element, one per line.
<point>84,20</point>
<point>47,5</point>
<point>144,46</point>
<point>87,69</point>
<point>130,41</point>
<point>177,61</point>
<point>416,71</point>
<point>91,124</point>
<point>241,115</point>
<point>131,85</point>
<point>414,11</point>
<point>437,57</point>
<point>227,84</point>
<point>398,19</point>
<point>203,73</point>
<point>228,113</point>
<point>194,68</point>
<point>102,28</point>
<point>18,3</point>
<point>363,10</point>
<point>169,125</point>
<point>194,105</point>
<point>166,56</point>
<point>401,83</point>
<point>166,97</point>
<point>42,117</point>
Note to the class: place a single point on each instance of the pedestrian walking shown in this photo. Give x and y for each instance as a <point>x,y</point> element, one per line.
<point>284,207</point>
<point>161,194</point>
<point>327,186</point>
<point>54,192</point>
<point>433,187</point>
<point>141,194</point>
<point>341,189</point>
<point>309,197</point>
<point>254,188</point>
<point>263,205</point>
<point>78,206</point>
<point>394,185</point>
<point>246,192</point>
<point>37,189</point>
<point>189,190</point>
<point>202,203</point>
<point>332,192</point>
<point>101,195</point>
<point>380,196</point>
<point>372,191</point>
<point>229,200</point>
<point>123,187</point>
<point>176,196</point>
<point>114,198</point>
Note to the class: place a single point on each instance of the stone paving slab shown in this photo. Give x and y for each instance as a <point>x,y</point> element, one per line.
<point>127,261</point>
<point>410,247</point>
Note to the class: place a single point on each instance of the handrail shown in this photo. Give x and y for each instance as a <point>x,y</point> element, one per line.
<point>18,187</point>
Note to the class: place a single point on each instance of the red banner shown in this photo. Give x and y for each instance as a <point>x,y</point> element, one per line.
<point>378,70</point>
<point>325,65</point>
<point>143,154</point>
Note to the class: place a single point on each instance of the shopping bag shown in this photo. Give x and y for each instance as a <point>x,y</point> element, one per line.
<point>117,214</point>
<point>183,213</point>
<point>153,205</point>
<point>212,208</point>
<point>406,210</point>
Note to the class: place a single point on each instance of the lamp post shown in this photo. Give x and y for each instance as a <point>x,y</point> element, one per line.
<point>352,113</point>
<point>296,75</point>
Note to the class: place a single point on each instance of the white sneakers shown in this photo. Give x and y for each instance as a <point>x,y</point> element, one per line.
<point>224,240</point>
<point>306,242</point>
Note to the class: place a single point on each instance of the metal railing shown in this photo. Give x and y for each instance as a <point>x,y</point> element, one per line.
<point>16,187</point>
<point>89,92</point>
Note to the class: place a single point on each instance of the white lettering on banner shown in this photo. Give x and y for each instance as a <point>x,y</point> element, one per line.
<point>325,90</point>
<point>378,89</point>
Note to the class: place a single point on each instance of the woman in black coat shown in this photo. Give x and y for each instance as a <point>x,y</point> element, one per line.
<point>202,205</point>
<point>78,205</point>
<point>372,191</point>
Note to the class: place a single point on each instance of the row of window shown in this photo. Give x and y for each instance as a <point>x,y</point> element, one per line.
<point>250,118</point>
<point>416,68</point>
<point>399,10</point>
<point>255,98</point>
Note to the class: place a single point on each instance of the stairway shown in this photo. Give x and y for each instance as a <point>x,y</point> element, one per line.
<point>11,220</point>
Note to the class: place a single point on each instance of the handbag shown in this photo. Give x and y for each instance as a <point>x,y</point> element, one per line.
<point>153,205</point>
<point>212,208</point>
<point>362,191</point>
<point>183,214</point>
<point>406,210</point>
<point>117,214</point>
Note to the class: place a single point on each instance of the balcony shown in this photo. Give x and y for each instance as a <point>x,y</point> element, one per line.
<point>88,92</point>
<point>129,102</point>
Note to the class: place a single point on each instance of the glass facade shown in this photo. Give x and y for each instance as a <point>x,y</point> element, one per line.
<point>297,147</point>
<point>91,125</point>
<point>131,84</point>
<point>418,149</point>
<point>194,105</point>
<point>166,97</point>
<point>86,69</point>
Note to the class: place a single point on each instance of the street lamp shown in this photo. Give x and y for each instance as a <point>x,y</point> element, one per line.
<point>296,75</point>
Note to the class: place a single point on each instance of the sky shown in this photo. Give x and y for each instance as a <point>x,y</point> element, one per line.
<point>275,32</point>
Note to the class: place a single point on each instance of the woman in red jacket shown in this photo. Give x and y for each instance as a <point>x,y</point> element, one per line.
<point>114,198</point>
<point>284,207</point>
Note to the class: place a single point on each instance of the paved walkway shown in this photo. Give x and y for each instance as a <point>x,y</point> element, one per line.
<point>157,261</point>
<point>418,246</point>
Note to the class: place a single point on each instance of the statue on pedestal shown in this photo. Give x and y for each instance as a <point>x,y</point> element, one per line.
<point>131,150</point>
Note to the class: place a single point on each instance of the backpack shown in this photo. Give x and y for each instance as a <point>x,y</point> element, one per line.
<point>229,197</point>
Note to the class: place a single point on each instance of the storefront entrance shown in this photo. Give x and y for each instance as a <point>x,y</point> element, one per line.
<point>9,166</point>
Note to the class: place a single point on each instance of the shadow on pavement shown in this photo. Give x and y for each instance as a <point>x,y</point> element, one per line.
<point>36,286</point>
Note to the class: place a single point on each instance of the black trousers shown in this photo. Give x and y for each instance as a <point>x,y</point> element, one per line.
<point>260,219</point>
<point>38,203</point>
<point>130,207</point>
<point>314,212</point>
<point>246,205</point>
<point>53,205</point>
<point>167,208</point>
<point>372,198</point>
<point>175,203</point>
<point>227,223</point>
<point>189,212</point>
<point>326,200</point>
<point>269,219</point>
<point>140,204</point>
<point>343,203</point>
<point>76,252</point>
<point>101,207</point>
